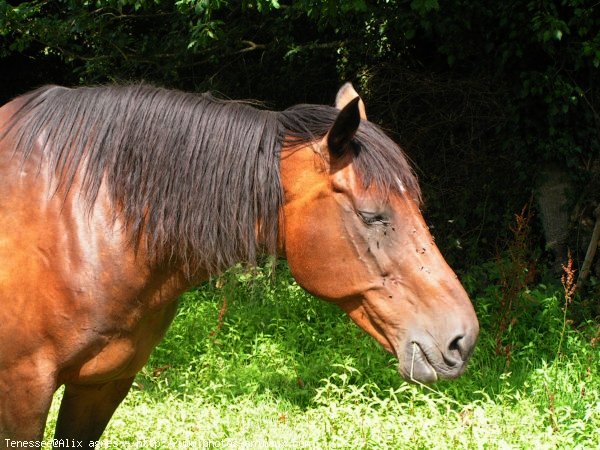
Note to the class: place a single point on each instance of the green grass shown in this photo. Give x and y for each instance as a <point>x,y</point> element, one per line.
<point>285,370</point>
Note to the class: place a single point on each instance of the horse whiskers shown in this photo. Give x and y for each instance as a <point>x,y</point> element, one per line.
<point>412,362</point>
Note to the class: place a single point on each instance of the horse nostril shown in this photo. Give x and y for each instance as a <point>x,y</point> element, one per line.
<point>456,353</point>
<point>456,344</point>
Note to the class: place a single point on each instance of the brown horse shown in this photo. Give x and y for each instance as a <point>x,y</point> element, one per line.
<point>114,200</point>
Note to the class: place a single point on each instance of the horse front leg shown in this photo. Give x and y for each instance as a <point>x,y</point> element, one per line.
<point>26,389</point>
<point>86,409</point>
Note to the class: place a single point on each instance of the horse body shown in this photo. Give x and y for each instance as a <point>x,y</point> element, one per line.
<point>89,277</point>
<point>91,308</point>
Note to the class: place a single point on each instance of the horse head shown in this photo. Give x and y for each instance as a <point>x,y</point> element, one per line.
<point>362,243</point>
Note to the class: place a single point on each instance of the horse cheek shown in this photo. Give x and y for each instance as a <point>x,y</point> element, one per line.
<point>317,253</point>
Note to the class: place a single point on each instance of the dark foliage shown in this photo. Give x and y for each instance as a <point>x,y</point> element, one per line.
<point>479,94</point>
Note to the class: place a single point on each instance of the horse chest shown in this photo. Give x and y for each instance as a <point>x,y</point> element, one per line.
<point>117,344</point>
<point>121,324</point>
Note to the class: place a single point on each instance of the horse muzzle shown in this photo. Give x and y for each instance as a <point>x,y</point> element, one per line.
<point>424,358</point>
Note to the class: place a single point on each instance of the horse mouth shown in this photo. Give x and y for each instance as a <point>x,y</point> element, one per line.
<point>416,365</point>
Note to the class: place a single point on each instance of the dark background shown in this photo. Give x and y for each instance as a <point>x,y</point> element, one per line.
<point>487,98</point>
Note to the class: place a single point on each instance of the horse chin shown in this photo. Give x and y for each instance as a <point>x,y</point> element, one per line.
<point>415,367</point>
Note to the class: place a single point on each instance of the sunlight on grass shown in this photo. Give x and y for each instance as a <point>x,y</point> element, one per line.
<point>281,369</point>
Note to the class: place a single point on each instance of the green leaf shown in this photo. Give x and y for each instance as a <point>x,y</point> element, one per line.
<point>424,6</point>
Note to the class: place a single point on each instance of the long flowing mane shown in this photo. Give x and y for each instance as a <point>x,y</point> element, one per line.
<point>195,175</point>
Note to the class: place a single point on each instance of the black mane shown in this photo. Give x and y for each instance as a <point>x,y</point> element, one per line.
<point>196,173</point>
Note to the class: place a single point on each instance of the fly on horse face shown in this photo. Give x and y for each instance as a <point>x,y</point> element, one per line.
<point>115,200</point>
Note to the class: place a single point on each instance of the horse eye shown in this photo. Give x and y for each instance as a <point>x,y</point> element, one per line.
<point>371,218</point>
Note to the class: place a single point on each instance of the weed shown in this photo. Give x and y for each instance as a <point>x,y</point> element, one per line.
<point>516,272</point>
<point>569,286</point>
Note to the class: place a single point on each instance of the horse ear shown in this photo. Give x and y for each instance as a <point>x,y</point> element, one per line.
<point>346,94</point>
<point>344,128</point>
